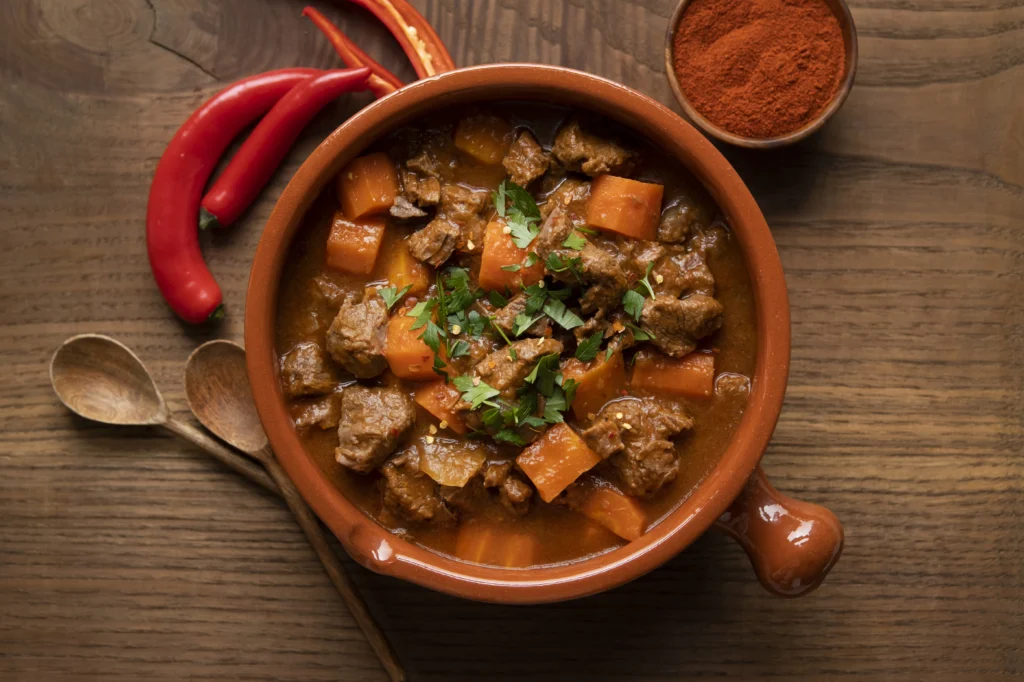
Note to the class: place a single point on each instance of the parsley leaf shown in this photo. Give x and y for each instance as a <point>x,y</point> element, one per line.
<point>392,295</point>
<point>566,318</point>
<point>560,294</point>
<point>480,394</point>
<point>519,210</point>
<point>556,263</point>
<point>645,282</point>
<point>501,332</point>
<point>432,336</point>
<point>535,297</point>
<point>586,230</point>
<point>422,311</point>
<point>555,406</point>
<point>516,267</point>
<point>439,367</point>
<point>509,436</point>
<point>574,241</point>
<point>459,295</point>
<point>544,374</point>
<point>633,302</point>
<point>459,349</point>
<point>512,355</point>
<point>531,259</point>
<point>608,354</point>
<point>523,322</point>
<point>497,300</point>
<point>638,333</point>
<point>587,349</point>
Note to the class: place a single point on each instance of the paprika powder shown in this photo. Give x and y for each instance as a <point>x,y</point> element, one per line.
<point>759,68</point>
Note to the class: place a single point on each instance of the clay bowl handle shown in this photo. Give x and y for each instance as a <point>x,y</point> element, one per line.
<point>792,544</point>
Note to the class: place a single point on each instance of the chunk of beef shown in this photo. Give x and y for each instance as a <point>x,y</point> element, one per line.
<point>435,243</point>
<point>460,203</point>
<point>677,324</point>
<point>682,272</point>
<point>496,473</point>
<point>572,195</point>
<point>304,371</point>
<point>553,231</point>
<point>505,318</point>
<point>467,499</point>
<point>604,437</point>
<point>421,190</point>
<point>456,222</point>
<point>373,420</point>
<point>409,493</point>
<point>731,384</point>
<point>324,412</point>
<point>679,220</point>
<point>471,237</point>
<point>606,282</point>
<point>525,160</point>
<point>637,433</point>
<point>579,150</point>
<point>500,371</point>
<point>403,209</point>
<point>331,288</point>
<point>515,494</point>
<point>356,337</point>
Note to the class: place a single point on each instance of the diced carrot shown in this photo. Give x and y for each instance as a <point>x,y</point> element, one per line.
<point>407,355</point>
<point>691,376</point>
<point>615,511</point>
<point>627,207</point>
<point>500,250</point>
<point>556,460</point>
<point>353,246</point>
<point>594,538</point>
<point>485,138</point>
<point>367,186</point>
<point>488,543</point>
<point>402,270</point>
<point>598,381</point>
<point>439,399</point>
<point>451,462</point>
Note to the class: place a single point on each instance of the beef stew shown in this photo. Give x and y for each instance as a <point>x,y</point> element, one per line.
<point>518,339</point>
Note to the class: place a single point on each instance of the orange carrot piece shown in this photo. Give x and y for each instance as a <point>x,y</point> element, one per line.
<point>439,399</point>
<point>627,207</point>
<point>691,376</point>
<point>485,138</point>
<point>500,250</point>
<point>594,538</point>
<point>381,82</point>
<point>407,355</point>
<point>402,270</point>
<point>556,460</point>
<point>352,246</point>
<point>494,545</point>
<point>368,185</point>
<point>598,381</point>
<point>612,509</point>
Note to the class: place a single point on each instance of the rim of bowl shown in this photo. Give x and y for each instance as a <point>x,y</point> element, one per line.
<point>378,549</point>
<point>841,10</point>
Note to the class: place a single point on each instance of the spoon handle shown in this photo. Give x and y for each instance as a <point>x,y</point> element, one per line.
<point>335,571</point>
<point>222,454</point>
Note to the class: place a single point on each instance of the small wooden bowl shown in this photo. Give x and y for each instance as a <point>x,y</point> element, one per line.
<point>842,12</point>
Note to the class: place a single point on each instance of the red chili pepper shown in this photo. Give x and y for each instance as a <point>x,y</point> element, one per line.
<point>382,82</point>
<point>172,239</point>
<point>261,154</point>
<point>424,49</point>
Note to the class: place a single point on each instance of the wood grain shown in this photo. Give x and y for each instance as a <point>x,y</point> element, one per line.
<point>129,556</point>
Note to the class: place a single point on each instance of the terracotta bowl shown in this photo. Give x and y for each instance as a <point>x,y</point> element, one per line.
<point>791,544</point>
<point>842,14</point>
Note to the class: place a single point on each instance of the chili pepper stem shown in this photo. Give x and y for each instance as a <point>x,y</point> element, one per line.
<point>207,219</point>
<point>218,314</point>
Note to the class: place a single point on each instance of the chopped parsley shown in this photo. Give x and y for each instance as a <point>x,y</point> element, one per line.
<point>523,322</point>
<point>515,267</point>
<point>639,333</point>
<point>575,241</point>
<point>392,295</point>
<point>608,353</point>
<point>531,259</point>
<point>519,210</point>
<point>565,318</point>
<point>645,282</point>
<point>496,299</point>
<point>587,348</point>
<point>633,303</point>
<point>556,263</point>
<point>476,393</point>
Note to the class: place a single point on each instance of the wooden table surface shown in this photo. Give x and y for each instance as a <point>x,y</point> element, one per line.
<point>129,555</point>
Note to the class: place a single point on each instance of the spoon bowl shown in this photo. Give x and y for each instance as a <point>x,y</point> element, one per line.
<point>218,393</point>
<point>100,379</point>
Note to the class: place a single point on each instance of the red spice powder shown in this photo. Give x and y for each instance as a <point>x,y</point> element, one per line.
<point>759,68</point>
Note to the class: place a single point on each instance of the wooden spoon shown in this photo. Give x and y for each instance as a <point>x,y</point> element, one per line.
<point>100,379</point>
<point>217,389</point>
